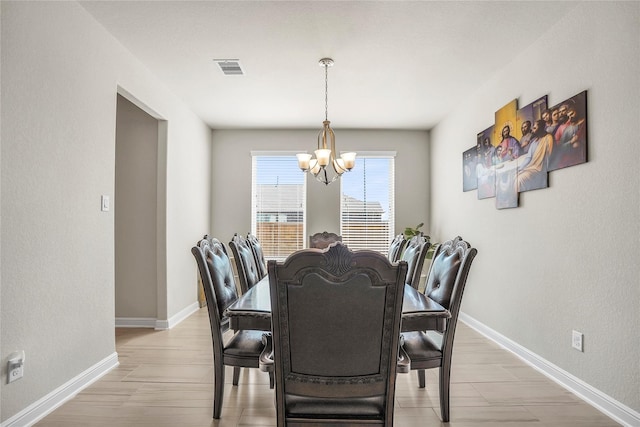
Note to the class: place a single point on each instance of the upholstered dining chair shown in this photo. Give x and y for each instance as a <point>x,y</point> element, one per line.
<point>258,254</point>
<point>445,284</point>
<point>414,254</point>
<point>243,349</point>
<point>323,240</point>
<point>335,329</point>
<point>248,274</point>
<point>396,247</point>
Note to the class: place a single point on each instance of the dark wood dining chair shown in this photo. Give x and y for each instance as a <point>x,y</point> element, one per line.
<point>396,247</point>
<point>414,254</point>
<point>258,255</point>
<point>243,349</point>
<point>445,285</point>
<point>246,267</point>
<point>323,240</point>
<point>335,329</point>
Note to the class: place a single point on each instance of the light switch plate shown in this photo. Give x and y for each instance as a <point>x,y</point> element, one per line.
<point>104,203</point>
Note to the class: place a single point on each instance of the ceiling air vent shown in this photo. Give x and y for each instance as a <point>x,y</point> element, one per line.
<point>230,67</point>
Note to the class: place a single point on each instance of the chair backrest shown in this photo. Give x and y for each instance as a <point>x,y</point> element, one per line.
<point>323,240</point>
<point>414,254</point>
<point>245,262</point>
<point>336,325</point>
<point>258,254</point>
<point>396,247</point>
<point>447,278</point>
<point>219,286</point>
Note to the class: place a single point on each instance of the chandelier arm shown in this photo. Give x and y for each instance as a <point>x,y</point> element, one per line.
<point>332,137</point>
<point>323,179</point>
<point>322,138</point>
<point>339,169</point>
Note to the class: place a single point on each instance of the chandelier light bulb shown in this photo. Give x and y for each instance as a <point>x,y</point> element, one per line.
<point>303,161</point>
<point>349,160</point>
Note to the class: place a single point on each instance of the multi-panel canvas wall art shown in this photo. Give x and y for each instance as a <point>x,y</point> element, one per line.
<point>485,173</point>
<point>535,147</point>
<point>469,177</point>
<point>569,132</point>
<point>523,145</point>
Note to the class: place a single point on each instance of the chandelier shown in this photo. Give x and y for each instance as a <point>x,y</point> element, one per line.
<point>326,167</point>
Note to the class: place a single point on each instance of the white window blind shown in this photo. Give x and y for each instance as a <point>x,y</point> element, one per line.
<point>367,203</point>
<point>278,192</point>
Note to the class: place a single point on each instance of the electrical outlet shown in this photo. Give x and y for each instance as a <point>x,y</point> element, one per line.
<point>15,372</point>
<point>15,366</point>
<point>576,340</point>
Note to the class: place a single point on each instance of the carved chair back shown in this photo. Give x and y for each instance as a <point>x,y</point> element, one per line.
<point>248,274</point>
<point>396,247</point>
<point>336,325</point>
<point>217,278</point>
<point>323,240</point>
<point>414,254</point>
<point>258,254</point>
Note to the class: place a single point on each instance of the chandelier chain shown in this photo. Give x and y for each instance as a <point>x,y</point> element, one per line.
<point>326,91</point>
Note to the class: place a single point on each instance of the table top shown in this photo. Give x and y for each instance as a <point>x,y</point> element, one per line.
<point>419,312</point>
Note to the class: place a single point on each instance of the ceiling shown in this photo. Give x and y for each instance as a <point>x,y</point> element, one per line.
<point>398,64</point>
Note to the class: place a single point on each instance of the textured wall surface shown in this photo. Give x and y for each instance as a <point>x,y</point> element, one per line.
<point>60,75</point>
<point>567,258</point>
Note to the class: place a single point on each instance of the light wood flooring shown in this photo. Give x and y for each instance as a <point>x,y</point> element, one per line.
<point>165,379</point>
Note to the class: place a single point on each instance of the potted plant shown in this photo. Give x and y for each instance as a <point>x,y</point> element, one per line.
<point>410,232</point>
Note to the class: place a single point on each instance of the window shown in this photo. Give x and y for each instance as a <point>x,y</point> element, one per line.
<point>278,192</point>
<point>367,203</point>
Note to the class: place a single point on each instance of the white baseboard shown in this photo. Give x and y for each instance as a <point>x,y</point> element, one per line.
<point>42,407</point>
<point>178,317</point>
<point>135,322</point>
<point>149,322</point>
<point>604,403</point>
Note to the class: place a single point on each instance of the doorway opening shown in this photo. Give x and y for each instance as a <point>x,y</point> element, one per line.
<point>140,284</point>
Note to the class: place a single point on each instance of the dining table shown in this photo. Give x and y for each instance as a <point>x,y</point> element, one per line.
<point>252,310</point>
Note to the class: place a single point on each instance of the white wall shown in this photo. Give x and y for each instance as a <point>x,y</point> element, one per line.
<point>567,258</point>
<point>60,73</point>
<point>231,171</point>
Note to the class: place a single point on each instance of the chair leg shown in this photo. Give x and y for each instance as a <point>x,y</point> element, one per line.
<point>271,380</point>
<point>218,389</point>
<point>236,375</point>
<point>421,378</point>
<point>444,393</point>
